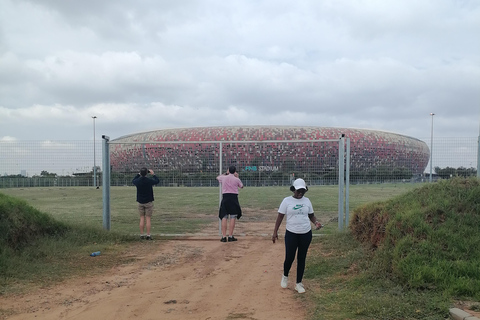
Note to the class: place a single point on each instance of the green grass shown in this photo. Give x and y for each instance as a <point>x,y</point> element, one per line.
<point>409,257</point>
<point>411,252</point>
<point>36,249</point>
<point>183,210</point>
<point>347,284</point>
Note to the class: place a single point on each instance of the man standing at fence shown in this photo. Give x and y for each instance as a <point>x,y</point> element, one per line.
<point>145,199</point>
<point>229,207</point>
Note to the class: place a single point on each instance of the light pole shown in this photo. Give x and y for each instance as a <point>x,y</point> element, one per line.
<point>431,148</point>
<point>478,154</point>
<point>94,157</point>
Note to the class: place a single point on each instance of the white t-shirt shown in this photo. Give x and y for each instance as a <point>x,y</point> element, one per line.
<point>297,211</point>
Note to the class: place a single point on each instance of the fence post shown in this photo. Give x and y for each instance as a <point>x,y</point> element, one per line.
<point>347,184</point>
<point>478,156</point>
<point>220,161</point>
<point>341,179</point>
<point>106,182</point>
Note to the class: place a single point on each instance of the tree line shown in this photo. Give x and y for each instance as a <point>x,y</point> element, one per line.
<point>325,176</point>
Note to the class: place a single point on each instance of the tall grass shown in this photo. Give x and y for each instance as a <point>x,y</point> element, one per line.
<point>409,257</point>
<point>432,237</point>
<point>343,282</point>
<point>35,248</point>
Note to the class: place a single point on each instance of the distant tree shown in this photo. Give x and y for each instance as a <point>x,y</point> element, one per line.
<point>47,174</point>
<point>464,172</point>
<point>449,172</point>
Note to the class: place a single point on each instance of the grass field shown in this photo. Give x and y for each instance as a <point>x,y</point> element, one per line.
<point>185,210</point>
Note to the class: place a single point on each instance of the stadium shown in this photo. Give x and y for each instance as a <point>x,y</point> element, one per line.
<point>270,154</point>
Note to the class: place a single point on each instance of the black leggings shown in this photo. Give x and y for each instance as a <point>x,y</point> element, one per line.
<point>292,242</point>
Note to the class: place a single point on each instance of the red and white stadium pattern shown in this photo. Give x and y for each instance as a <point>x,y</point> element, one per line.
<point>369,148</point>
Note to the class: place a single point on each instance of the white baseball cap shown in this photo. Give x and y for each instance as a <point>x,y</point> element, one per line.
<point>299,184</point>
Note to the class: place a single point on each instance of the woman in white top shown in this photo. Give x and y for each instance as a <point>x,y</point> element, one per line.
<point>298,234</point>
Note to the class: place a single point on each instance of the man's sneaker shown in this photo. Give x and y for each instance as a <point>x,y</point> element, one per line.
<point>284,282</point>
<point>149,237</point>
<point>142,237</point>
<point>232,238</point>
<point>299,287</point>
<point>224,239</point>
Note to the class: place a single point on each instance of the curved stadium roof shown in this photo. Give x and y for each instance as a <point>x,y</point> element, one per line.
<point>369,148</point>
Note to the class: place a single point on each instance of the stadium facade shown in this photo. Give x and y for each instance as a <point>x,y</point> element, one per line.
<point>248,148</point>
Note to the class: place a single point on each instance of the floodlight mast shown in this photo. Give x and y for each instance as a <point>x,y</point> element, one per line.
<point>478,154</point>
<point>94,156</point>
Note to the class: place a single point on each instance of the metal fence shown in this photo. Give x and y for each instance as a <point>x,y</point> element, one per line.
<point>25,164</point>
<point>71,163</point>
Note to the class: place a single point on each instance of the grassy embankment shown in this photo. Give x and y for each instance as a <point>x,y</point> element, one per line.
<point>37,249</point>
<point>411,257</point>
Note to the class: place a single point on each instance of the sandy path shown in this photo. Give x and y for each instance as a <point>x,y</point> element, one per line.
<point>197,278</point>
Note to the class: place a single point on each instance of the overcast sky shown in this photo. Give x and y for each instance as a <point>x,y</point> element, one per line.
<point>155,64</point>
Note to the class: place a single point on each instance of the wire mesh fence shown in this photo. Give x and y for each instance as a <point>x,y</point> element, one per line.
<point>71,163</point>
<point>47,163</point>
<point>194,166</point>
<point>198,164</point>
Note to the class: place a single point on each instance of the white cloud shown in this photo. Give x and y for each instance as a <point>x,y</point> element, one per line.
<point>164,64</point>
<point>7,138</point>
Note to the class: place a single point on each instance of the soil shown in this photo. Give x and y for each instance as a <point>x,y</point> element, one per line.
<point>468,307</point>
<point>187,278</point>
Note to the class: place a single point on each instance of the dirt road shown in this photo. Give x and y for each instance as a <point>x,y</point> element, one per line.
<point>196,278</point>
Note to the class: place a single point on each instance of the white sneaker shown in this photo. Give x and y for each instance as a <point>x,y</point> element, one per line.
<point>299,287</point>
<point>284,282</point>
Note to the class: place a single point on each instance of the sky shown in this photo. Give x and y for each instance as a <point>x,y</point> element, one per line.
<point>156,64</point>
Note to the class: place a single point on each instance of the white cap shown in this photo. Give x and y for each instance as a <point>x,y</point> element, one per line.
<point>299,184</point>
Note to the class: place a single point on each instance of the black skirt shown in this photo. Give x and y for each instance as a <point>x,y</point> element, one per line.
<point>229,205</point>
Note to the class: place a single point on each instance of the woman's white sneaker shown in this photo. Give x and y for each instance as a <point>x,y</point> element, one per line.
<point>284,282</point>
<point>299,287</point>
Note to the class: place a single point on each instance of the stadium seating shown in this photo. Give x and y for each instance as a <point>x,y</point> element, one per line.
<point>370,149</point>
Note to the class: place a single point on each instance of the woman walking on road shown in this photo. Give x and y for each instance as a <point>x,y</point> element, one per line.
<point>298,234</point>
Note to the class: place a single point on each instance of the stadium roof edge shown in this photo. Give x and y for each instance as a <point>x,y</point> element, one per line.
<point>263,126</point>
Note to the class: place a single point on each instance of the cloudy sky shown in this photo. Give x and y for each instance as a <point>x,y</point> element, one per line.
<point>154,64</point>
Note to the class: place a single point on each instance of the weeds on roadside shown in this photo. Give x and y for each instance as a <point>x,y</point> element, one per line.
<point>409,257</point>
<point>346,282</point>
